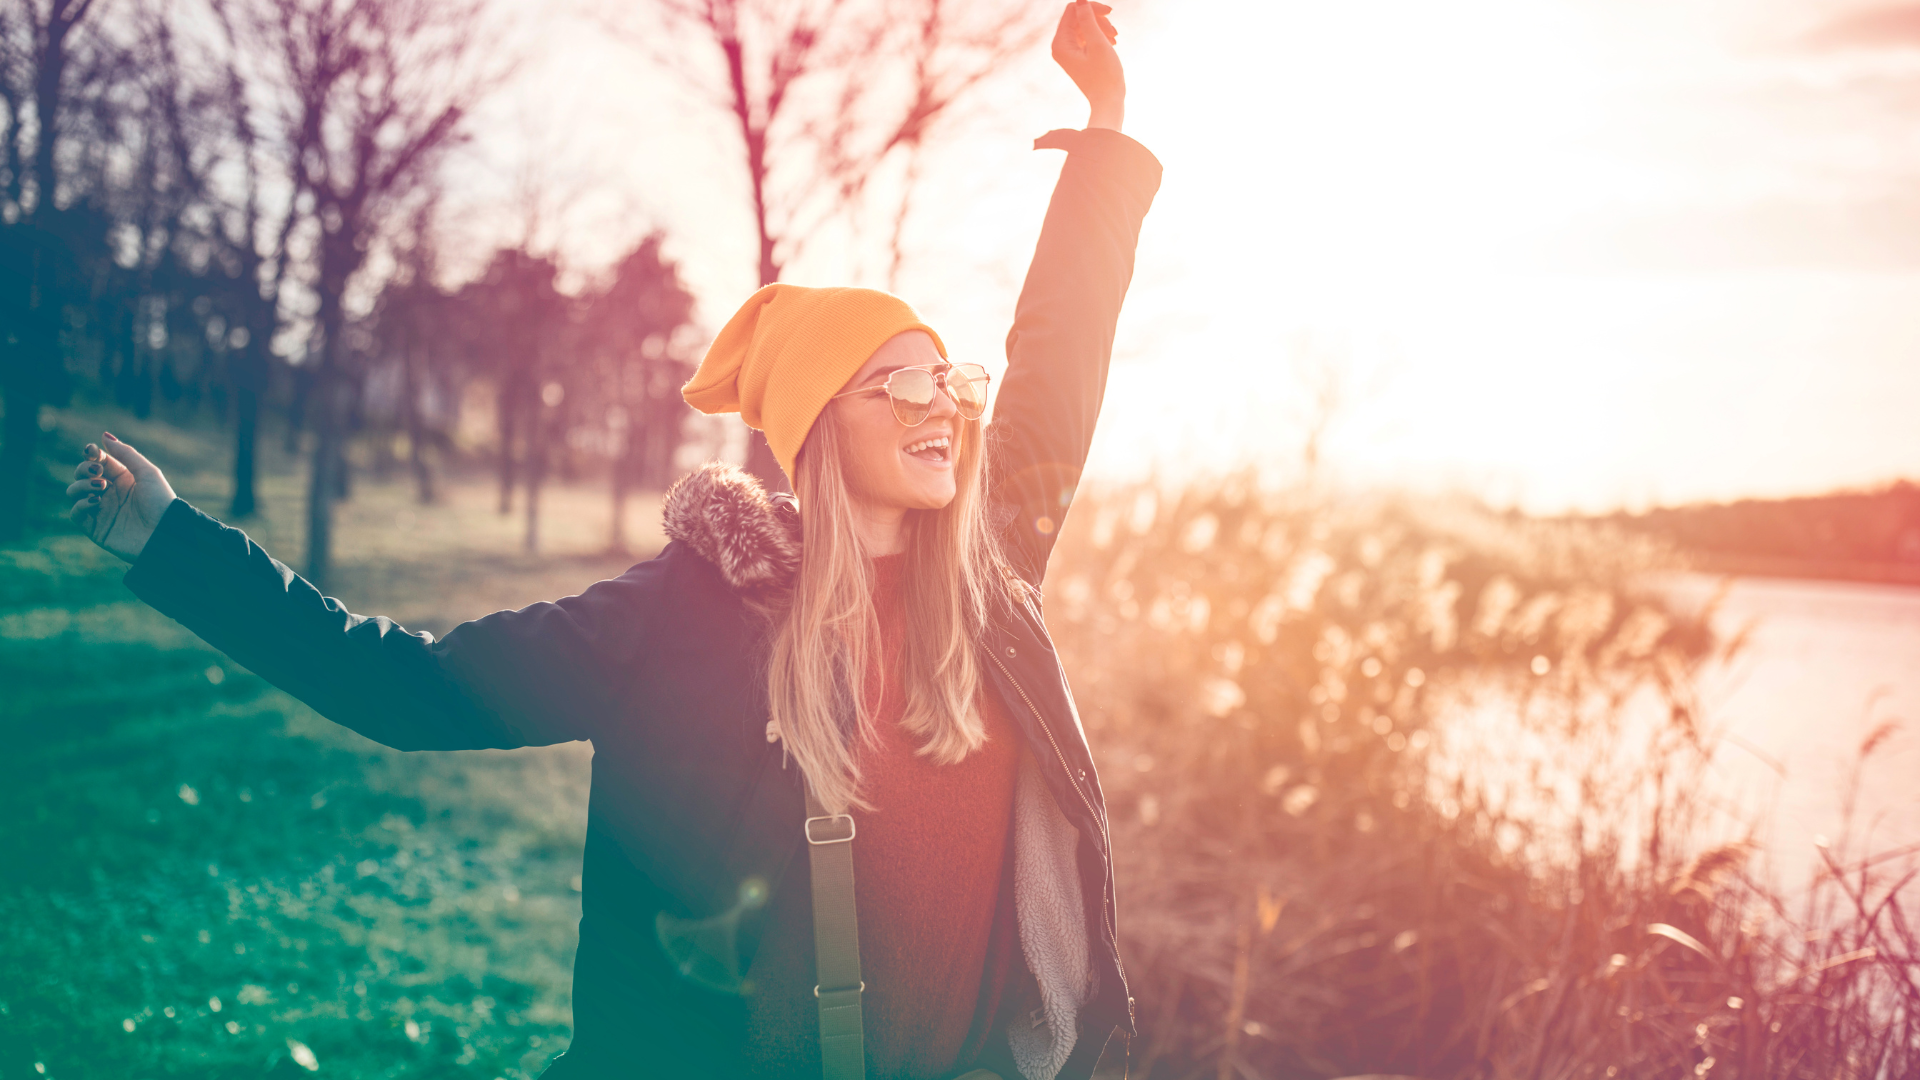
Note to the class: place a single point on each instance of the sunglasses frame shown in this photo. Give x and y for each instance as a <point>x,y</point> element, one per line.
<point>939,373</point>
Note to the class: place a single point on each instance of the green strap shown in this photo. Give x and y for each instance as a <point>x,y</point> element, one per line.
<point>836,944</point>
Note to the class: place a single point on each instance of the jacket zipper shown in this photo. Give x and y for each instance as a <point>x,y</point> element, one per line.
<point>1048,731</point>
<point>1106,903</point>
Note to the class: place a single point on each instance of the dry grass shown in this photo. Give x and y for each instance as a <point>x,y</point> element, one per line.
<point>1418,789</point>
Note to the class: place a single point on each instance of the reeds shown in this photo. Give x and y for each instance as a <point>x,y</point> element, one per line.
<point>1420,789</point>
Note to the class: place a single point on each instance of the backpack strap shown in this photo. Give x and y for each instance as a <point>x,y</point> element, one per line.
<point>836,944</point>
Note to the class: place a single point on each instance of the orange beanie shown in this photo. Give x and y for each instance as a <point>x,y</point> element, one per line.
<point>790,348</point>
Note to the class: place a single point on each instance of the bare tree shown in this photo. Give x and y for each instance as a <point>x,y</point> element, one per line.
<point>942,50</point>
<point>253,231</point>
<point>630,331</point>
<point>54,64</point>
<point>414,330</point>
<point>815,90</point>
<point>512,317</point>
<point>369,95</point>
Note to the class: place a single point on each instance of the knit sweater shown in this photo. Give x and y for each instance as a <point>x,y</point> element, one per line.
<point>927,870</point>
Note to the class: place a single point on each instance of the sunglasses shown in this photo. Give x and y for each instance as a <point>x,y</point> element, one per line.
<point>911,390</point>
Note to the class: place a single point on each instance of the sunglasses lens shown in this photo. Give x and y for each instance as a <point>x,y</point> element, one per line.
<point>967,385</point>
<point>912,392</point>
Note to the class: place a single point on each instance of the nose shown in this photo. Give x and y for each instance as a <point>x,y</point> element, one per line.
<point>943,404</point>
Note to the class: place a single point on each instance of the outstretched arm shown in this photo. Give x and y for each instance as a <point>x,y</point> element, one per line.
<point>547,673</point>
<point>1062,337</point>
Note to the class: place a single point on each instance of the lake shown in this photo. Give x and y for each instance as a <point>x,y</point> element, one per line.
<point>1826,664</point>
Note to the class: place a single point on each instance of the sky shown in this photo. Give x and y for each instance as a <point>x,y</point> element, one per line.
<point>1557,254</point>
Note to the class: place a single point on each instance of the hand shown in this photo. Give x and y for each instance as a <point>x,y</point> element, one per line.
<point>1083,47</point>
<point>122,496</point>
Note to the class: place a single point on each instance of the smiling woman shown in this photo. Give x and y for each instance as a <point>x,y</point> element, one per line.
<point>879,630</point>
<point>930,406</point>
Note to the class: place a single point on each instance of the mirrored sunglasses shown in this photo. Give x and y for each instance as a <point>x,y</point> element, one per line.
<point>911,390</point>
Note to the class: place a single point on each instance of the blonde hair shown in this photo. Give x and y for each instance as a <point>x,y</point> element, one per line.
<point>825,635</point>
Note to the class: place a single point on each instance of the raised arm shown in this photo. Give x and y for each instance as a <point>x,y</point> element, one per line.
<point>1062,336</point>
<point>547,673</point>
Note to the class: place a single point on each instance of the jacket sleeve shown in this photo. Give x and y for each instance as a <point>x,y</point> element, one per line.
<point>1062,337</point>
<point>547,673</point>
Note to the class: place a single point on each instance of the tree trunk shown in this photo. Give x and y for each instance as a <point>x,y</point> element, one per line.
<point>660,435</point>
<point>536,472</point>
<point>250,381</point>
<point>30,373</point>
<point>297,408</point>
<point>19,430</point>
<point>322,479</point>
<point>246,438</point>
<point>760,460</point>
<point>416,426</point>
<point>506,413</point>
<point>619,472</point>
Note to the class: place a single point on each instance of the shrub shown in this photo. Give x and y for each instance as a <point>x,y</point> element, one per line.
<point>1414,787</point>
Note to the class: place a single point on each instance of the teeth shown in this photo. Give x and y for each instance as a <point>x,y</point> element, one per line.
<point>942,442</point>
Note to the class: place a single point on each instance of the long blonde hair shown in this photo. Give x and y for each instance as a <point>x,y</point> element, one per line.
<point>825,633</point>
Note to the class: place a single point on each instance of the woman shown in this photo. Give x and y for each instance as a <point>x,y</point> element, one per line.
<point>879,636</point>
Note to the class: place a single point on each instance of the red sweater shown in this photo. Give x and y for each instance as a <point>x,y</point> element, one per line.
<point>927,866</point>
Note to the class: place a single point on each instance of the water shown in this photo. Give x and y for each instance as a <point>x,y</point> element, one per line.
<point>1825,665</point>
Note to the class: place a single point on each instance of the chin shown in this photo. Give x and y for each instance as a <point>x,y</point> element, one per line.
<point>933,500</point>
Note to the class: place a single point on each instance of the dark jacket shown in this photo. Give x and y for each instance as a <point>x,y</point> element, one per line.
<point>693,822</point>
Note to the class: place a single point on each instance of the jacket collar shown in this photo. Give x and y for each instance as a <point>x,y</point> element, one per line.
<point>728,519</point>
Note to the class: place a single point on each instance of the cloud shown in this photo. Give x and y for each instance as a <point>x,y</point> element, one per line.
<point>1873,28</point>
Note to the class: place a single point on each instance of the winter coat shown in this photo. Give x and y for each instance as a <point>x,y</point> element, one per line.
<point>694,821</point>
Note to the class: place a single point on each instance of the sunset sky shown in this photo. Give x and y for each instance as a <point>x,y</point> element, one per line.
<point>1555,253</point>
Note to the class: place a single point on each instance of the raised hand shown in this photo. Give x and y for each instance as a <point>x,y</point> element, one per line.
<point>122,496</point>
<point>1083,47</point>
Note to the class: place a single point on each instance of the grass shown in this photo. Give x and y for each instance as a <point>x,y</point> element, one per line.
<point>1396,787</point>
<point>204,878</point>
<point>1410,788</point>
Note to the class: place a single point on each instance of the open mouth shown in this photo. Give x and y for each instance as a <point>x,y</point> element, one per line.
<point>935,449</point>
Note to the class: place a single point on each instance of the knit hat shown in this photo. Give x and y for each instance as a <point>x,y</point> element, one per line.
<point>790,348</point>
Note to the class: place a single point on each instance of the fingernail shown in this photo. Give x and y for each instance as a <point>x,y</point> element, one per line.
<point>94,469</point>
<point>111,435</point>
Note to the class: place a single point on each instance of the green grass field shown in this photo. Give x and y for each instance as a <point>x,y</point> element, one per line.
<point>201,877</point>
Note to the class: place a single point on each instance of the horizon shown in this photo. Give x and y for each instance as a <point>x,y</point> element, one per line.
<point>1572,258</point>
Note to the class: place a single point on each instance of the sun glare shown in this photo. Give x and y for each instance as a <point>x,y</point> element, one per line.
<point>1516,233</point>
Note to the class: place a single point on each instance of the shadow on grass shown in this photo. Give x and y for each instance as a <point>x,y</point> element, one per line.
<point>199,875</point>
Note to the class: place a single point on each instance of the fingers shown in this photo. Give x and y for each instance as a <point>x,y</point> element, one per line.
<point>1066,37</point>
<point>135,462</point>
<point>86,486</point>
<point>1100,13</point>
<point>107,465</point>
<point>84,511</point>
<point>1086,22</point>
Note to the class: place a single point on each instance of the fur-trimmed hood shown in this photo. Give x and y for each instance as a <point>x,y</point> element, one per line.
<point>724,514</point>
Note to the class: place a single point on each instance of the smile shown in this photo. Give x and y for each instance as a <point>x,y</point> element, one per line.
<point>936,449</point>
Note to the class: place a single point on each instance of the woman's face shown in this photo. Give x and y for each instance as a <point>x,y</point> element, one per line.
<point>890,465</point>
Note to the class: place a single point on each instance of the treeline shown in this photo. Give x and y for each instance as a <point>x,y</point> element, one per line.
<point>1855,535</point>
<point>191,196</point>
<point>238,204</point>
